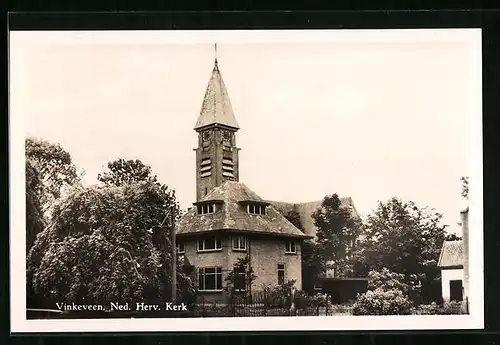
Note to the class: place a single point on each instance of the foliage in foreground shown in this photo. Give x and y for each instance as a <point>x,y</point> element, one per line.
<point>405,239</point>
<point>382,302</point>
<point>104,245</point>
<point>49,171</point>
<point>448,308</point>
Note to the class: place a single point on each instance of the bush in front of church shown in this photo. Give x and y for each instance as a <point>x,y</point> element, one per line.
<point>447,308</point>
<point>382,302</point>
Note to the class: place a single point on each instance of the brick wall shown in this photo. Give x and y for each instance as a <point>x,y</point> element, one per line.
<point>265,252</point>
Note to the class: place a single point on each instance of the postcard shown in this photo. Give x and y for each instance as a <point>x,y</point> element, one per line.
<point>245,180</point>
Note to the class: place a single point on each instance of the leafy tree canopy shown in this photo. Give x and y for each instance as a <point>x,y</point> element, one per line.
<point>35,220</point>
<point>49,170</point>
<point>122,172</point>
<point>403,238</point>
<point>337,231</point>
<point>465,187</point>
<point>100,245</point>
<point>54,168</point>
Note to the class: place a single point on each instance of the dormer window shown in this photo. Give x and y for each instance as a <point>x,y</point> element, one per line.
<point>256,209</point>
<point>290,247</point>
<point>206,208</point>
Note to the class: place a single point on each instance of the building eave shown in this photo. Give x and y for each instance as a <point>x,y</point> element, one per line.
<point>239,231</point>
<point>451,267</point>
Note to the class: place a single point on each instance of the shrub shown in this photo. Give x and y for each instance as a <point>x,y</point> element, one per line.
<point>389,280</point>
<point>427,309</point>
<point>302,300</point>
<point>386,280</point>
<point>277,297</point>
<point>381,302</point>
<point>452,307</point>
<point>448,308</point>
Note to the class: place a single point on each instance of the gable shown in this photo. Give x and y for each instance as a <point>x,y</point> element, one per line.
<point>306,209</point>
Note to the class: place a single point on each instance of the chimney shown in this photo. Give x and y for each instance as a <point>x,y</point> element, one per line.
<point>464,215</point>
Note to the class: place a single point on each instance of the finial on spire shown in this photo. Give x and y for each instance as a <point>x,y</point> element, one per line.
<point>215,53</point>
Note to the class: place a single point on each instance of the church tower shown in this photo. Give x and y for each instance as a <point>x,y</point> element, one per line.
<point>216,154</point>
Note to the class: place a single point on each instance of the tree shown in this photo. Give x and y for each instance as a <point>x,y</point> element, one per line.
<point>465,187</point>
<point>336,234</point>
<point>294,218</point>
<point>122,172</point>
<point>54,168</point>
<point>452,237</point>
<point>35,220</point>
<point>405,239</point>
<point>49,170</point>
<point>242,275</point>
<point>100,247</point>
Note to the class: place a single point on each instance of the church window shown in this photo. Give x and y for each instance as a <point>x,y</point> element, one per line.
<point>180,247</point>
<point>239,243</point>
<point>290,247</point>
<point>281,274</point>
<point>206,208</point>
<point>209,244</point>
<point>239,278</point>
<point>210,279</point>
<point>256,209</point>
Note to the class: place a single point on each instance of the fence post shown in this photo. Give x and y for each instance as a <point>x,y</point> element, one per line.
<point>232,301</point>
<point>202,306</point>
<point>327,303</point>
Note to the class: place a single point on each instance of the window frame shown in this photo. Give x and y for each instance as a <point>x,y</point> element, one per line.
<point>178,245</point>
<point>283,271</point>
<point>288,247</point>
<point>202,272</point>
<point>242,273</point>
<point>202,249</point>
<point>208,208</point>
<point>240,240</point>
<point>256,209</point>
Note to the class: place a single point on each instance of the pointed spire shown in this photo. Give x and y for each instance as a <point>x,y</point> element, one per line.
<point>215,53</point>
<point>216,108</point>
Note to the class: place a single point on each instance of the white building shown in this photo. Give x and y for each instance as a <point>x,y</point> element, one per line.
<point>454,264</point>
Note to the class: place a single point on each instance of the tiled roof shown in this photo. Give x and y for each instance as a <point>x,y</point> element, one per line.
<point>216,108</point>
<point>232,215</point>
<point>452,254</point>
<point>306,209</point>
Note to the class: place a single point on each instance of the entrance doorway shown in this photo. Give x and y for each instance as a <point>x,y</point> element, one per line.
<point>456,290</point>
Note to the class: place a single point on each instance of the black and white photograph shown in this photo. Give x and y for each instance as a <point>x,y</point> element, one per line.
<point>246,180</point>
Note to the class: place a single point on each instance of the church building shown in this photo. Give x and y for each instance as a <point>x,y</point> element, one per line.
<point>229,221</point>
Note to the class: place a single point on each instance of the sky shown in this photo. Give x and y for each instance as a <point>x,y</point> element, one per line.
<point>370,115</point>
